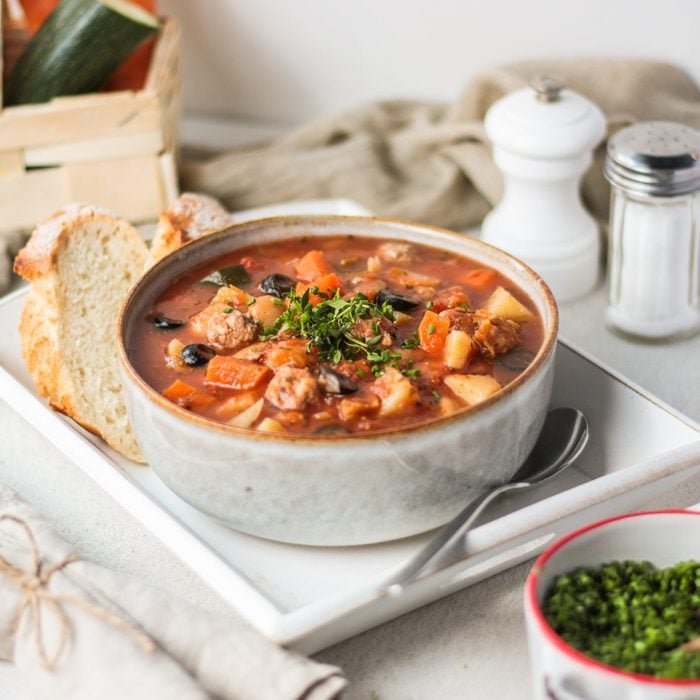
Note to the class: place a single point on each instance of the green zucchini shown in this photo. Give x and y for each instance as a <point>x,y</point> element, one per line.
<point>235,275</point>
<point>77,48</point>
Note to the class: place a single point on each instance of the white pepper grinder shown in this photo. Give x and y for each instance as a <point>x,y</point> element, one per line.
<point>543,137</point>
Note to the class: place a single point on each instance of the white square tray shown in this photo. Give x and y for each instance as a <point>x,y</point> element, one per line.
<point>311,597</point>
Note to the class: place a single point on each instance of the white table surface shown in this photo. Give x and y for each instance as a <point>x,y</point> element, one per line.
<point>471,644</point>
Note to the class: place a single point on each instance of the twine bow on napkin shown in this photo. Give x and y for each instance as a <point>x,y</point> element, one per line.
<point>34,587</point>
<point>73,629</point>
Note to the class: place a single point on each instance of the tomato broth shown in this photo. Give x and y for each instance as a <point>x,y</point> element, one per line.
<point>340,334</point>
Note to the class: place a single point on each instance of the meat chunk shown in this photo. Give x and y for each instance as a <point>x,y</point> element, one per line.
<point>493,335</point>
<point>369,328</point>
<point>411,280</point>
<point>354,406</point>
<point>396,393</point>
<point>367,283</point>
<point>460,320</point>
<point>230,331</point>
<point>292,388</point>
<point>394,251</point>
<point>450,298</point>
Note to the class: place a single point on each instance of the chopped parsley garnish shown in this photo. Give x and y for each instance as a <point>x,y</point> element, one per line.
<point>411,342</point>
<point>250,302</point>
<point>330,326</point>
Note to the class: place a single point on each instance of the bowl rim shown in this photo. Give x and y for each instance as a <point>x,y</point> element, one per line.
<point>430,424</point>
<point>533,603</point>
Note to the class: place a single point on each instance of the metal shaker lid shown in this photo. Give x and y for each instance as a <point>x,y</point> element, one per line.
<point>655,159</point>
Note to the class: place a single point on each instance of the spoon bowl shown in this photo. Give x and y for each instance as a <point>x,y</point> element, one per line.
<point>562,439</point>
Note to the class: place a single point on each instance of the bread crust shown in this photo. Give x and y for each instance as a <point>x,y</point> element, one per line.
<point>38,257</point>
<point>40,321</point>
<point>189,217</point>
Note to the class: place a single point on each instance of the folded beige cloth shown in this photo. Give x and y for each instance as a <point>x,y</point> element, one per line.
<point>432,163</point>
<point>94,628</point>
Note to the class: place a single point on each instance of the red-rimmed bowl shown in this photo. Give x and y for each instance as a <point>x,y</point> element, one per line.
<point>339,489</point>
<point>560,672</point>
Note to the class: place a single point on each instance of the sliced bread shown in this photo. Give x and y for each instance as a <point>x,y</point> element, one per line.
<point>81,263</point>
<point>190,216</point>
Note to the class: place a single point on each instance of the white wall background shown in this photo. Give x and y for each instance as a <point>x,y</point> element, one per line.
<point>290,60</point>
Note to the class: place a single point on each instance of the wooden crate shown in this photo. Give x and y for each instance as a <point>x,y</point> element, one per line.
<point>114,149</point>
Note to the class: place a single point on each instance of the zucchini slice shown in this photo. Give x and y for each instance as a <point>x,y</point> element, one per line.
<point>76,49</point>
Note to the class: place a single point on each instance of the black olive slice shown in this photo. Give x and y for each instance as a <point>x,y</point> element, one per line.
<point>164,322</point>
<point>398,302</point>
<point>277,285</point>
<point>334,382</point>
<point>517,360</point>
<point>196,354</point>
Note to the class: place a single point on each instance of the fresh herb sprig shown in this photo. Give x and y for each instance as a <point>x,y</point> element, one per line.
<point>329,326</point>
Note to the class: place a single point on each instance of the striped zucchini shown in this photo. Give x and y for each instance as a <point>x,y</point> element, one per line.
<point>77,48</point>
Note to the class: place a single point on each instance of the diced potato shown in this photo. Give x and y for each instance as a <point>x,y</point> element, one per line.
<point>458,349</point>
<point>270,425</point>
<point>265,311</point>
<point>448,405</point>
<point>472,388</point>
<point>231,295</point>
<point>374,263</point>
<point>251,352</point>
<point>246,418</point>
<point>396,393</point>
<point>502,303</point>
<point>236,404</point>
<point>174,360</point>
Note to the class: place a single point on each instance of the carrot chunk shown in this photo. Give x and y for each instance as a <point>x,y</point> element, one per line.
<point>235,373</point>
<point>479,279</point>
<point>326,286</point>
<point>185,395</point>
<point>432,332</point>
<point>312,266</point>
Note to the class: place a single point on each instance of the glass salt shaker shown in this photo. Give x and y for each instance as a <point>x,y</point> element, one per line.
<point>654,252</point>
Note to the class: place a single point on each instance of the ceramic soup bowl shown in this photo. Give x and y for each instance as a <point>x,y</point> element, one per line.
<point>560,672</point>
<point>338,489</point>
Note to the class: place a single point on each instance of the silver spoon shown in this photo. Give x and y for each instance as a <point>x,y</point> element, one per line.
<point>563,437</point>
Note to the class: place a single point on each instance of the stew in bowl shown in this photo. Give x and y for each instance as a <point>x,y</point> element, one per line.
<point>346,334</point>
<point>336,380</point>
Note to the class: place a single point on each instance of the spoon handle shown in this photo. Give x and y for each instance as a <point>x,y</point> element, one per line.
<point>448,546</point>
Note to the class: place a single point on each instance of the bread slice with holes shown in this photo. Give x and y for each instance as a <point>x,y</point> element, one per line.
<point>190,216</point>
<point>81,263</point>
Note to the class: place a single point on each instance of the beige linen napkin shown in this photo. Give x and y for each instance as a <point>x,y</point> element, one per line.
<point>432,163</point>
<point>195,656</point>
